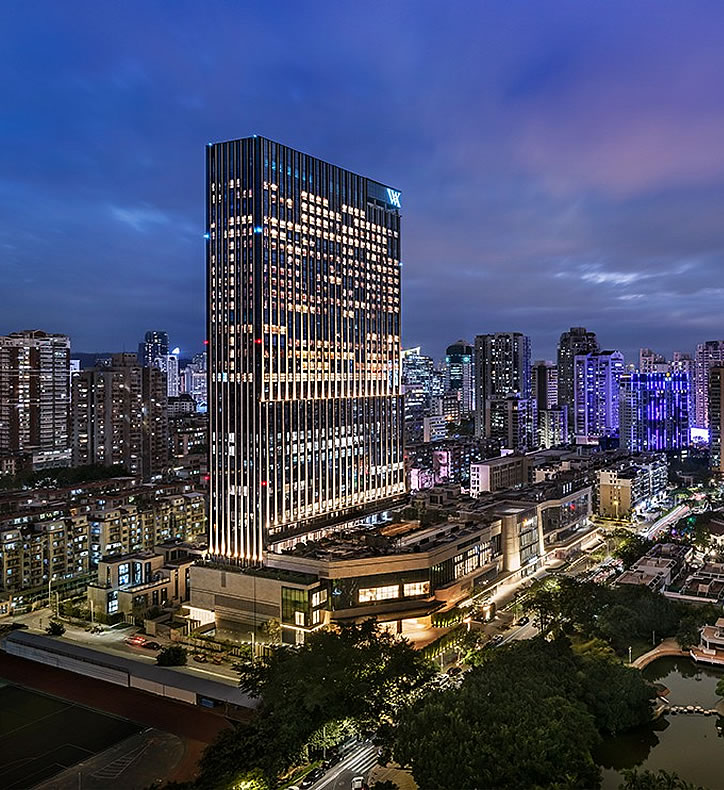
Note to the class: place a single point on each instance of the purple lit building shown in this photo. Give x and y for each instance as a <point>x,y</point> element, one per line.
<point>654,411</point>
<point>596,386</point>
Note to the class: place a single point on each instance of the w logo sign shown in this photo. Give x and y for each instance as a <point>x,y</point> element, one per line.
<point>393,197</point>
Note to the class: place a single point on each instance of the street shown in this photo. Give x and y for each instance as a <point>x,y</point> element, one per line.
<point>527,631</point>
<point>113,640</point>
<point>357,763</point>
<point>665,521</point>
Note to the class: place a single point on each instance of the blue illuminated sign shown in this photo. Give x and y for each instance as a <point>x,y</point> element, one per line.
<point>393,197</point>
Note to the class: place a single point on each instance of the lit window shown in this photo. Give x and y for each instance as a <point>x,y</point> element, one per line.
<point>416,588</point>
<point>368,594</point>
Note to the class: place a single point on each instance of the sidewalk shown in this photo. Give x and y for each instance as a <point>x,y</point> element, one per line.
<point>388,773</point>
<point>669,647</point>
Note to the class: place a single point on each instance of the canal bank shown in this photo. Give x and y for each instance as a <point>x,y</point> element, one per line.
<point>690,745</point>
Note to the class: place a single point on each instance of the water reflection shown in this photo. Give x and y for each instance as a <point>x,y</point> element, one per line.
<point>689,744</point>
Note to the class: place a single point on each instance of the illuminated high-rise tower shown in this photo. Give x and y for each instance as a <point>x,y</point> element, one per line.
<point>305,406</point>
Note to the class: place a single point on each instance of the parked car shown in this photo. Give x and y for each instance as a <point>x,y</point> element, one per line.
<point>454,671</point>
<point>136,641</point>
<point>358,783</point>
<point>524,620</point>
<point>200,658</point>
<point>151,645</point>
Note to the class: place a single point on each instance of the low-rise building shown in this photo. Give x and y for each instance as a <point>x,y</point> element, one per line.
<point>710,649</point>
<point>55,535</point>
<point>706,584</point>
<point>497,474</point>
<point>659,568</point>
<point>399,572</point>
<point>632,482</point>
<point>129,585</point>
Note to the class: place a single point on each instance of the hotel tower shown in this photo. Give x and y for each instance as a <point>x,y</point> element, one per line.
<point>305,404</point>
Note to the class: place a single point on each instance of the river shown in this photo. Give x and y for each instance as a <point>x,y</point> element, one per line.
<point>690,745</point>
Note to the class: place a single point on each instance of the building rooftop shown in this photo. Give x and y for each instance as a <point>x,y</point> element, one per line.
<point>366,542</point>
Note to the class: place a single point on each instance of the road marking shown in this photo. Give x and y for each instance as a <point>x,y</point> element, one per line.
<point>349,764</point>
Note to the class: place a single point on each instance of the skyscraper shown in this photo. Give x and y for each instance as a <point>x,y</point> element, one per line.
<point>417,386</point>
<point>651,362</point>
<point>512,422</point>
<point>577,340</point>
<point>544,384</point>
<point>502,369</point>
<point>716,387</point>
<point>459,374</point>
<point>654,411</point>
<point>305,402</point>
<point>120,416</point>
<point>708,356</point>
<point>682,362</point>
<point>34,392</point>
<point>596,392</point>
<point>168,363</point>
<point>153,346</point>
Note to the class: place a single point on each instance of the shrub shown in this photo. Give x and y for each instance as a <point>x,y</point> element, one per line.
<point>172,656</point>
<point>55,628</point>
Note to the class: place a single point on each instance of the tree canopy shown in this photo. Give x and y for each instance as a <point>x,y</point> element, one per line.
<point>355,678</point>
<point>528,715</point>
<point>618,615</point>
<point>649,780</point>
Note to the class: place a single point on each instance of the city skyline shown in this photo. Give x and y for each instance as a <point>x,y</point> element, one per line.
<point>524,155</point>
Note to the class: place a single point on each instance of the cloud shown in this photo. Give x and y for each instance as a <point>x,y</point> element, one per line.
<point>140,218</point>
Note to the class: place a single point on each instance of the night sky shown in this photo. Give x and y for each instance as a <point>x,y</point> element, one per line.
<point>561,163</point>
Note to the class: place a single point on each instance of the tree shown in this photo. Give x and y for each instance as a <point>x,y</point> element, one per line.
<point>690,624</point>
<point>618,696</point>
<point>354,678</point>
<point>720,687</point>
<point>649,780</point>
<point>239,754</point>
<point>55,628</point>
<point>271,631</point>
<point>529,715</point>
<point>630,546</point>
<point>172,656</point>
<point>513,723</point>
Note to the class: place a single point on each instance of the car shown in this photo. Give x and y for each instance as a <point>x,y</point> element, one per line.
<point>524,620</point>
<point>312,777</point>
<point>151,645</point>
<point>332,759</point>
<point>200,658</point>
<point>358,783</point>
<point>454,671</point>
<point>135,641</point>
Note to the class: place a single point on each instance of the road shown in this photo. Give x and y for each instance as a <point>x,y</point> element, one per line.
<point>357,763</point>
<point>665,521</point>
<point>113,640</point>
<point>527,631</point>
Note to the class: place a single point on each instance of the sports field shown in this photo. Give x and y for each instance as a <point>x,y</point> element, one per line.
<point>41,735</point>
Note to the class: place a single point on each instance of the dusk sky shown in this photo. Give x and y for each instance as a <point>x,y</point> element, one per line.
<point>560,163</point>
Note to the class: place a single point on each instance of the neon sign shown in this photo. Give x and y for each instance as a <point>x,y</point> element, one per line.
<point>393,197</point>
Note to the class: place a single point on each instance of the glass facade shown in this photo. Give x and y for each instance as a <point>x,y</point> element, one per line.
<point>654,411</point>
<point>305,405</point>
<point>473,557</point>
